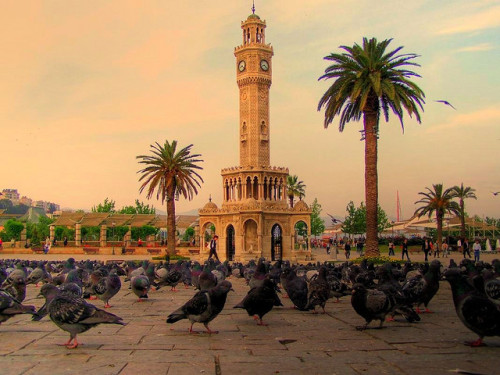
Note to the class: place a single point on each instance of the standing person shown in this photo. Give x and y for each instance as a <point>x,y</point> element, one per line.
<point>328,248</point>
<point>347,249</point>
<point>1,244</point>
<point>391,247</point>
<point>466,248</point>
<point>445,249</point>
<point>426,248</point>
<point>213,247</point>
<point>139,242</point>
<point>404,250</point>
<point>477,250</point>
<point>459,245</point>
<point>65,242</point>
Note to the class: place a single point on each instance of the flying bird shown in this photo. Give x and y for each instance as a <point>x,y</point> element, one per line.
<point>495,193</point>
<point>445,102</point>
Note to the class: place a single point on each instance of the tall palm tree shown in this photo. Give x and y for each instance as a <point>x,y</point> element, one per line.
<point>462,193</point>
<point>368,81</point>
<point>294,188</point>
<point>440,202</point>
<point>170,173</point>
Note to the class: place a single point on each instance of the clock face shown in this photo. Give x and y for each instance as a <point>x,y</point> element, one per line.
<point>242,65</point>
<point>264,65</point>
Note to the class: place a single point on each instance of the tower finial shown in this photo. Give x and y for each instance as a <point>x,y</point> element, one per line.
<point>253,6</point>
<point>210,198</point>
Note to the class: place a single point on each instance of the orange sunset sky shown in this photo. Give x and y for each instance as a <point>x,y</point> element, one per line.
<point>89,85</point>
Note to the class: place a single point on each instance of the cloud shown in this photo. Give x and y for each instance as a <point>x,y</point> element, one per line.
<point>481,118</point>
<point>486,19</point>
<point>476,48</point>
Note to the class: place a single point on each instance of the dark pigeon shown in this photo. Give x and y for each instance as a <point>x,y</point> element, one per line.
<point>319,291</point>
<point>260,300</point>
<point>474,309</point>
<point>9,307</point>
<point>203,307</point>
<point>421,289</point>
<point>296,288</point>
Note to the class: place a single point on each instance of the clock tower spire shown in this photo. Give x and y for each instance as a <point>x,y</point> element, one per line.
<point>254,77</point>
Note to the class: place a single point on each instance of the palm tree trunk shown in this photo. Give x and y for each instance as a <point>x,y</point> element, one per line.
<point>290,197</point>
<point>371,182</point>
<point>462,219</point>
<point>171,223</point>
<point>439,222</point>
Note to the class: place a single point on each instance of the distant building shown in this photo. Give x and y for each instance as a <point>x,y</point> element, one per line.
<point>26,201</point>
<point>11,194</point>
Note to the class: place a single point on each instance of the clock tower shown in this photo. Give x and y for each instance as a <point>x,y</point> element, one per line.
<point>255,219</point>
<point>254,77</point>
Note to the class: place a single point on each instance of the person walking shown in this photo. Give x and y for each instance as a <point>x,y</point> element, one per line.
<point>213,248</point>
<point>466,248</point>
<point>445,249</point>
<point>426,248</point>
<point>391,248</point>
<point>347,249</point>
<point>477,250</point>
<point>404,250</point>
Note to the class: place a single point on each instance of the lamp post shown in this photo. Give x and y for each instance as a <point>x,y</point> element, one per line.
<point>113,236</point>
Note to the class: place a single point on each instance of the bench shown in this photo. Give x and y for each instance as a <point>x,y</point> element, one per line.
<point>37,250</point>
<point>154,251</point>
<point>194,251</point>
<point>129,251</point>
<point>90,250</point>
<point>414,250</point>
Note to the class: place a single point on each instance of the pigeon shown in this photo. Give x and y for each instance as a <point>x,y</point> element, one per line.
<point>203,307</point>
<point>319,291</point>
<point>260,300</point>
<point>74,315</point>
<point>170,277</point>
<point>259,275</point>
<point>296,288</point>
<point>473,308</point>
<point>39,274</point>
<point>9,307</point>
<point>371,304</point>
<point>421,289</point>
<point>446,103</point>
<point>140,286</point>
<point>207,279</point>
<point>107,287</point>
<point>16,286</point>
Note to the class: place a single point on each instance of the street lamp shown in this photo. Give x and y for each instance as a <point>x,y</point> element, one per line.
<point>113,236</point>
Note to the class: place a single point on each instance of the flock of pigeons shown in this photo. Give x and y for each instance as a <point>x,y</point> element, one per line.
<point>377,292</point>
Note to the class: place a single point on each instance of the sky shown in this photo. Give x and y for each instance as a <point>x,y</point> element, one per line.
<point>89,85</point>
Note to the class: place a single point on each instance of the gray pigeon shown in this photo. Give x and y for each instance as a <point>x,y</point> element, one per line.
<point>140,286</point>
<point>371,304</point>
<point>203,307</point>
<point>74,315</point>
<point>39,274</point>
<point>107,287</point>
<point>9,307</point>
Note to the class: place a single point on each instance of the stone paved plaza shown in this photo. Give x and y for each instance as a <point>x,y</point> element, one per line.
<point>294,342</point>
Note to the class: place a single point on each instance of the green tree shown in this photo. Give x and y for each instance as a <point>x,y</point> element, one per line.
<point>188,234</point>
<point>351,224</point>
<point>463,193</point>
<point>370,81</point>
<point>317,223</point>
<point>12,230</point>
<point>170,172</point>
<point>438,201</point>
<point>5,203</point>
<point>382,220</point>
<point>139,208</point>
<point>294,188</point>
<point>107,206</point>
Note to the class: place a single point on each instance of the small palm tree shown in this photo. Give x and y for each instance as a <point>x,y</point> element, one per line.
<point>294,188</point>
<point>440,202</point>
<point>462,193</point>
<point>370,81</point>
<point>170,173</point>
